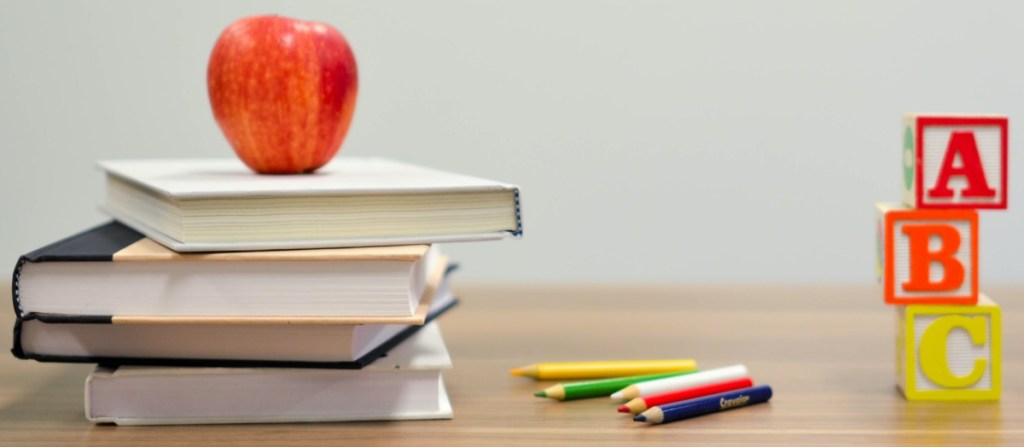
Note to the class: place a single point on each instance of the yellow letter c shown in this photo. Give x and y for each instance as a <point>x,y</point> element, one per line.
<point>933,356</point>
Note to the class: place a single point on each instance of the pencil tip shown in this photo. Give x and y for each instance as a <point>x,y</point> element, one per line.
<point>616,395</point>
<point>541,393</point>
<point>516,372</point>
<point>640,418</point>
<point>623,409</point>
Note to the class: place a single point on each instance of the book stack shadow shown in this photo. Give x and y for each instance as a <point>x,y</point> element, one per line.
<point>221,296</point>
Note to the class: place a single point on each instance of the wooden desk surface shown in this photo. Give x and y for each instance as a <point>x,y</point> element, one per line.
<point>827,351</point>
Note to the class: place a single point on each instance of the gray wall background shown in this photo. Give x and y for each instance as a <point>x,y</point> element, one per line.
<point>706,141</point>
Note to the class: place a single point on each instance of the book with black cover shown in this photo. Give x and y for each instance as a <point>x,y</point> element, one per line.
<point>294,342</point>
<point>112,271</point>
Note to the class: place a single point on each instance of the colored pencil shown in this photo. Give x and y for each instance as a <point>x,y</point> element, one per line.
<point>600,370</point>
<point>667,384</point>
<point>706,405</point>
<point>641,404</point>
<point>598,388</point>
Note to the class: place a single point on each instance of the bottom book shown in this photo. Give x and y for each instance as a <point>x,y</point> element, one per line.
<point>405,384</point>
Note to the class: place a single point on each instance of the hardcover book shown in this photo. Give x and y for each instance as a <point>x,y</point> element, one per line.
<point>84,339</point>
<point>114,273</point>
<point>220,205</point>
<point>406,384</point>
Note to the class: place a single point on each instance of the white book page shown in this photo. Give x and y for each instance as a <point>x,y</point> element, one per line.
<point>404,385</point>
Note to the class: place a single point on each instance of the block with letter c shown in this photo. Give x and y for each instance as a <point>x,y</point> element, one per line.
<point>950,353</point>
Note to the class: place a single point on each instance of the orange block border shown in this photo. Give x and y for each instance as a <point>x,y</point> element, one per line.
<point>890,266</point>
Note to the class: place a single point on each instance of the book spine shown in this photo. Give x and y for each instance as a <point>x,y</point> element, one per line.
<point>19,352</point>
<point>98,244</point>
<point>519,216</point>
<point>16,287</point>
<point>16,301</point>
<point>16,349</point>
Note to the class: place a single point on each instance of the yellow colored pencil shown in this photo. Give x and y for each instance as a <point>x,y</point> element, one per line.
<point>600,370</point>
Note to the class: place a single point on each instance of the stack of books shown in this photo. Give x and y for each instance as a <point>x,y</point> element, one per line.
<point>223,296</point>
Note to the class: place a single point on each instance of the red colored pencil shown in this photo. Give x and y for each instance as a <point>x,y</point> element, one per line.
<point>641,404</point>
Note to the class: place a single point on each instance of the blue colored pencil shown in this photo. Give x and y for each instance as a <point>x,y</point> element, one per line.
<point>706,405</point>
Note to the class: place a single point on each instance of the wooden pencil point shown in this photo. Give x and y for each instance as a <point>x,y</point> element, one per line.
<point>525,371</point>
<point>635,406</point>
<point>541,393</point>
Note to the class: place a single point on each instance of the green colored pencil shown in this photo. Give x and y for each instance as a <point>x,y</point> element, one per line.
<point>599,388</point>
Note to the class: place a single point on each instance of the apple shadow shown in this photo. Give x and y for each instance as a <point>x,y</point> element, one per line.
<point>224,174</point>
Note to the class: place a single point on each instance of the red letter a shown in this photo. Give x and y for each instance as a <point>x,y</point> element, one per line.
<point>962,142</point>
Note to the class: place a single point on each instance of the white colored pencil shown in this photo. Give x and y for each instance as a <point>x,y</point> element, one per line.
<point>644,389</point>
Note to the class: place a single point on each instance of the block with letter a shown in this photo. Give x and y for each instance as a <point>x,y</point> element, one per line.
<point>928,256</point>
<point>955,161</point>
<point>950,353</point>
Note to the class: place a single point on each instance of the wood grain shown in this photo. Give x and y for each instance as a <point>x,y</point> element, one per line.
<point>827,351</point>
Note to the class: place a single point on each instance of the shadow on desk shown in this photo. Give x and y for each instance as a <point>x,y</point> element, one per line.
<point>51,397</point>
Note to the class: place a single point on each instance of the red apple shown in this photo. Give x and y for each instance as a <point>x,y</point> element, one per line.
<point>283,92</point>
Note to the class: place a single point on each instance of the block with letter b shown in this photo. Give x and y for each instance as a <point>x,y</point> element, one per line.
<point>955,161</point>
<point>949,352</point>
<point>928,256</point>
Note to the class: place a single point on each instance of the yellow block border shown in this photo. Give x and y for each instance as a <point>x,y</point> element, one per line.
<point>911,359</point>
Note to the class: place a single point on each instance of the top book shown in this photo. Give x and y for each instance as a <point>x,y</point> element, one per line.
<point>220,205</point>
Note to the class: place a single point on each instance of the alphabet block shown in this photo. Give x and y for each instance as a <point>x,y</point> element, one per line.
<point>955,161</point>
<point>927,256</point>
<point>950,353</point>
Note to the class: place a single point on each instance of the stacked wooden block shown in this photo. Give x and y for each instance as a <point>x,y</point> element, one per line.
<point>948,333</point>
